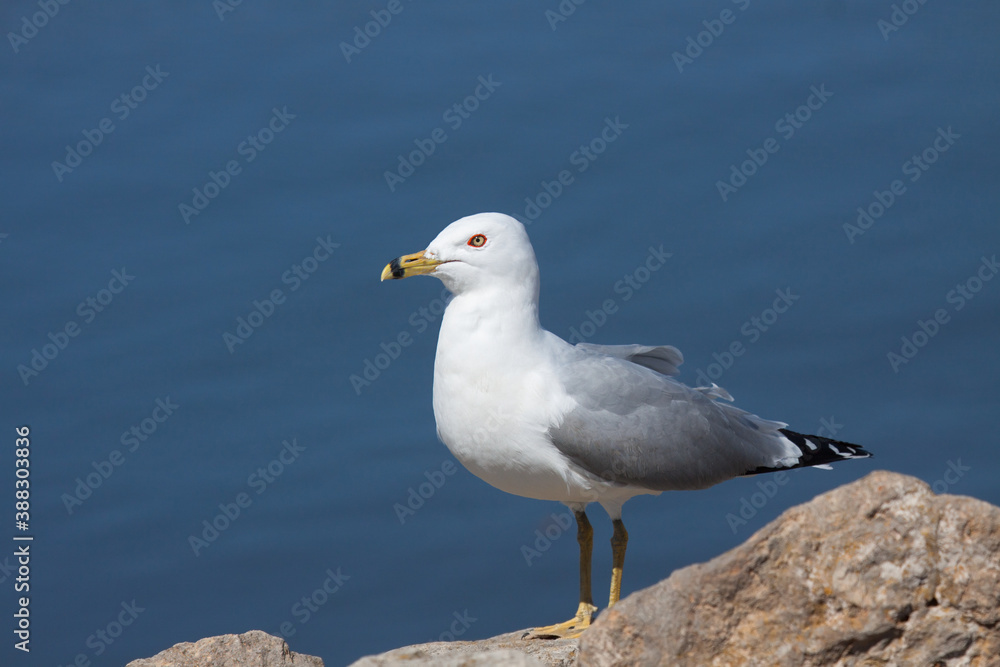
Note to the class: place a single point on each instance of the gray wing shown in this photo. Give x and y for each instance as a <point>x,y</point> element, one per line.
<point>634,426</point>
<point>665,359</point>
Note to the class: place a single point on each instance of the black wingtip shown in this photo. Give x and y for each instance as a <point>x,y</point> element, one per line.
<point>817,450</point>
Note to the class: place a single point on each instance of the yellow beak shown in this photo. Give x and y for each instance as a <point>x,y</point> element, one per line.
<point>410,265</point>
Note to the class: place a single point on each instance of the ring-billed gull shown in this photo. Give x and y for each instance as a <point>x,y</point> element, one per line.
<point>535,416</point>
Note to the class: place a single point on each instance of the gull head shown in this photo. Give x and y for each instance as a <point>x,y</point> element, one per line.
<point>482,251</point>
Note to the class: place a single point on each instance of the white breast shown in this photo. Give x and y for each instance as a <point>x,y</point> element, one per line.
<point>493,404</point>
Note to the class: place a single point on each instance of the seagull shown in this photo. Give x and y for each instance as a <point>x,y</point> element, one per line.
<point>536,416</point>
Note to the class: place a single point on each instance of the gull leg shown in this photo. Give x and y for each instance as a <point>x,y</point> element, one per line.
<point>575,626</point>
<point>619,540</point>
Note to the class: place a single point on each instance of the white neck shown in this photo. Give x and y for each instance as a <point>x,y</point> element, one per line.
<point>490,319</point>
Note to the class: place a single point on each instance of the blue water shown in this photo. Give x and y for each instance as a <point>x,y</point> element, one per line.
<point>313,217</point>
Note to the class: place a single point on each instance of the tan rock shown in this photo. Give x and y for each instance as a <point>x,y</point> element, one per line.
<point>500,651</point>
<point>254,648</point>
<point>878,572</point>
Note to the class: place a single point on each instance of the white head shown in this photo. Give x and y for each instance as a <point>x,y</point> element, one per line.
<point>482,251</point>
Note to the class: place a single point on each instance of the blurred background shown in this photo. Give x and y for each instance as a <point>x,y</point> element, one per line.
<point>230,416</point>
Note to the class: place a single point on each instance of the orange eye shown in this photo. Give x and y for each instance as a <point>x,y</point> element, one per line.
<point>477,241</point>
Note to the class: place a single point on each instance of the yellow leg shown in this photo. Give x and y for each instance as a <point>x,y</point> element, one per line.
<point>585,538</point>
<point>575,626</point>
<point>619,540</point>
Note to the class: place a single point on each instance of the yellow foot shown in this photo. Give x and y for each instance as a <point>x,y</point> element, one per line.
<point>570,629</point>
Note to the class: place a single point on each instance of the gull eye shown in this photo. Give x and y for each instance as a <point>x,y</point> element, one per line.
<point>477,241</point>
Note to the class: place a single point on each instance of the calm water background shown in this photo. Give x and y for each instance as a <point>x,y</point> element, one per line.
<point>323,176</point>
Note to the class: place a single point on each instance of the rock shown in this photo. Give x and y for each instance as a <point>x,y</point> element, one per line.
<point>878,572</point>
<point>254,648</point>
<point>500,651</point>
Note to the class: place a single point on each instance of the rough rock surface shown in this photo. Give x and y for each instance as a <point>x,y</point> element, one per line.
<point>254,648</point>
<point>502,650</point>
<point>878,572</point>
